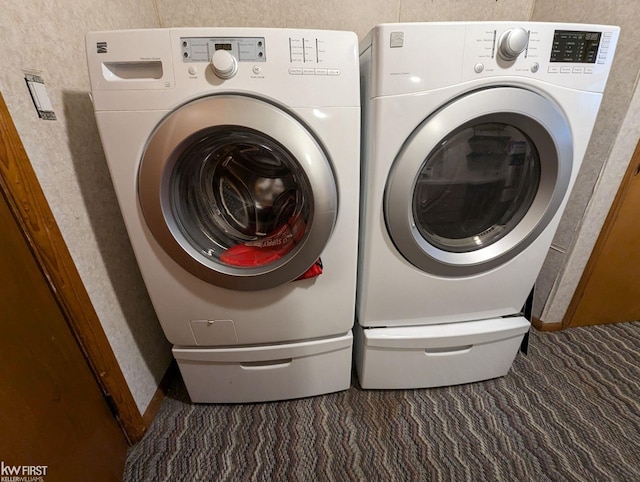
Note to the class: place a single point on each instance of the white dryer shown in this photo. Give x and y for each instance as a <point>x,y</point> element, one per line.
<point>473,136</point>
<point>234,153</point>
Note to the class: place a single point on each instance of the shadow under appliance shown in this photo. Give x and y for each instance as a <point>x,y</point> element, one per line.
<point>232,152</point>
<point>473,135</point>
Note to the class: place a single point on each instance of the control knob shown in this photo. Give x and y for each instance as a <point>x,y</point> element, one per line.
<point>224,64</point>
<point>512,43</point>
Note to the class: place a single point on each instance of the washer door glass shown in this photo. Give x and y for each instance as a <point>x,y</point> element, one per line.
<point>478,181</point>
<point>239,197</point>
<point>238,192</point>
<point>476,186</point>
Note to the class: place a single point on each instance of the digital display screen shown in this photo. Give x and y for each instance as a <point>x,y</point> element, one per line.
<point>223,47</point>
<point>575,46</point>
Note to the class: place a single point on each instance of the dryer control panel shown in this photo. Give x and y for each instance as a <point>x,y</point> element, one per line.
<point>579,46</point>
<point>580,55</point>
<point>410,57</point>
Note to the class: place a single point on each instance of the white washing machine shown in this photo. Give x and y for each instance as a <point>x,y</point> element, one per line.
<point>234,153</point>
<point>473,136</point>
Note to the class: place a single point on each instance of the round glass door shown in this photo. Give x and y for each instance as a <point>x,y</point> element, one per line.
<point>475,187</point>
<point>238,192</point>
<point>239,197</point>
<point>478,181</point>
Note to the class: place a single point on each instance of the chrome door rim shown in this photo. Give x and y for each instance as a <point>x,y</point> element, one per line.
<point>536,116</point>
<point>163,149</point>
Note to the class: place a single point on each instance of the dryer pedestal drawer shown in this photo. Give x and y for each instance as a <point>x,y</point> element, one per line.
<point>266,373</point>
<point>437,355</point>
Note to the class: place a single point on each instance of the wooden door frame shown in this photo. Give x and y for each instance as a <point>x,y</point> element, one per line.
<point>29,206</point>
<point>632,171</point>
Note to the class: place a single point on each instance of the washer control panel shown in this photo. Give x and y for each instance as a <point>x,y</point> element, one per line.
<point>308,56</point>
<point>243,49</point>
<point>295,67</point>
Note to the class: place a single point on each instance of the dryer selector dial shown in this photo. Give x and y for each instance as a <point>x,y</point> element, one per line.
<point>512,43</point>
<point>224,64</point>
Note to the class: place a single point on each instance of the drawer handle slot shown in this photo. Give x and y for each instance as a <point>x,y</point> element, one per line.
<point>266,365</point>
<point>449,350</point>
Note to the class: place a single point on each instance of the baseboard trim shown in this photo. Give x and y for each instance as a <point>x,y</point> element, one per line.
<point>161,392</point>
<point>543,326</point>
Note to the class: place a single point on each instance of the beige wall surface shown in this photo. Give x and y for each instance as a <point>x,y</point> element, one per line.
<point>355,16</point>
<point>48,38</point>
<point>558,278</point>
<point>451,10</point>
<point>358,16</point>
<point>595,214</point>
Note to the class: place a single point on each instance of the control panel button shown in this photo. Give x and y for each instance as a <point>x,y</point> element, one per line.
<point>535,67</point>
<point>312,71</point>
<point>257,69</point>
<point>193,71</point>
<point>512,43</point>
<point>224,64</point>
<point>478,68</point>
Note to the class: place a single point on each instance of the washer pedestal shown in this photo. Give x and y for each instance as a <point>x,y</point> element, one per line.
<point>266,373</point>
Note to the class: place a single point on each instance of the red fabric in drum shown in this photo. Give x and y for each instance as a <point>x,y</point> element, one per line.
<point>271,248</point>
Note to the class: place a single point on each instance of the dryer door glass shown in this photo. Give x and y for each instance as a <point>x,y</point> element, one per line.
<point>478,181</point>
<point>476,186</point>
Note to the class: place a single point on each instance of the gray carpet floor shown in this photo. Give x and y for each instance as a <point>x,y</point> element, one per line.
<point>567,411</point>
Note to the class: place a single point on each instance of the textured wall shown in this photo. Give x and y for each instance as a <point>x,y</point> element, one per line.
<point>561,274</point>
<point>67,156</point>
<point>358,16</point>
